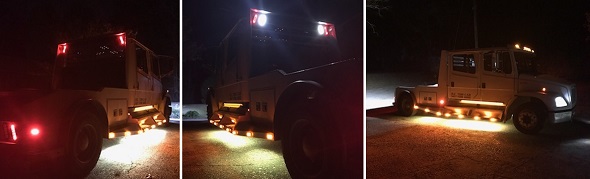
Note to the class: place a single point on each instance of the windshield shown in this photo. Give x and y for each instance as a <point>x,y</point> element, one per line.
<point>525,63</point>
<point>92,64</point>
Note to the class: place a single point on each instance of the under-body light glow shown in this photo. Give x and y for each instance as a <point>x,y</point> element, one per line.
<point>231,141</point>
<point>462,124</point>
<point>477,118</point>
<point>461,116</point>
<point>447,115</point>
<point>415,107</point>
<point>493,119</point>
<point>438,113</point>
<point>111,135</point>
<point>127,133</point>
<point>426,110</point>
<point>35,131</point>
<point>474,125</point>
<point>482,103</point>
<point>221,126</point>
<point>135,148</point>
<point>153,126</point>
<point>249,134</point>
<point>270,136</point>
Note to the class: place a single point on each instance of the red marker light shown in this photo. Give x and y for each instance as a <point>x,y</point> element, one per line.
<point>258,17</point>
<point>61,48</point>
<point>34,131</point>
<point>13,130</point>
<point>121,37</point>
<point>326,29</point>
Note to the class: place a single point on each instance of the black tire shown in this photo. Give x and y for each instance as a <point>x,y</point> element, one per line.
<point>311,147</point>
<point>529,118</point>
<point>167,112</point>
<point>84,145</point>
<point>405,105</point>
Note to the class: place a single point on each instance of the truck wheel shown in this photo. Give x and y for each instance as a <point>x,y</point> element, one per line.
<point>311,147</point>
<point>406,105</point>
<point>167,112</point>
<point>84,145</point>
<point>529,118</point>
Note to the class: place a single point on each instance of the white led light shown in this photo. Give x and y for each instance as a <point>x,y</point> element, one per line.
<point>262,19</point>
<point>321,29</point>
<point>560,102</point>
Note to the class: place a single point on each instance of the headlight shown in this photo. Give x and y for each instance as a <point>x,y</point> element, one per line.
<point>560,102</point>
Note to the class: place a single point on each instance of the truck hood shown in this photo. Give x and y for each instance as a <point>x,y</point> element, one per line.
<point>546,79</point>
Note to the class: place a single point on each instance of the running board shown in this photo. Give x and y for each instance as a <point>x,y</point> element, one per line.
<point>138,123</point>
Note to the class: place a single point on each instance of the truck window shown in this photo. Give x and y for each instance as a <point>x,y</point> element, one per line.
<point>289,43</point>
<point>100,60</point>
<point>464,63</point>
<point>525,63</point>
<point>497,64</point>
<point>155,65</point>
<point>142,63</point>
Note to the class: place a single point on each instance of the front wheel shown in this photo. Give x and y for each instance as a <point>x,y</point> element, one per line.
<point>311,148</point>
<point>84,145</point>
<point>529,119</point>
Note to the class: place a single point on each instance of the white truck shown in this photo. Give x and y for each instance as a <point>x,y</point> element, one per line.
<point>101,87</point>
<point>281,78</point>
<point>495,84</point>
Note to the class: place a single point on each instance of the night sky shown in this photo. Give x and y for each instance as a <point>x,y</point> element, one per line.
<point>207,22</point>
<point>412,33</point>
<point>31,30</point>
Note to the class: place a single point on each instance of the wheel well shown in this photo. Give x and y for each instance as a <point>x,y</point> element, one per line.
<point>295,92</point>
<point>405,92</point>
<point>520,101</point>
<point>94,107</point>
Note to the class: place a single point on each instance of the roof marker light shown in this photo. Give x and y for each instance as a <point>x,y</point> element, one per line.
<point>258,17</point>
<point>13,130</point>
<point>61,48</point>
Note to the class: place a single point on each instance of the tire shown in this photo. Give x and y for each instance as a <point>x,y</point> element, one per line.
<point>529,118</point>
<point>311,148</point>
<point>406,105</point>
<point>84,145</point>
<point>167,112</point>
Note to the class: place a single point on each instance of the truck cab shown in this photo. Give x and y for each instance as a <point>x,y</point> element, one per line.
<point>495,84</point>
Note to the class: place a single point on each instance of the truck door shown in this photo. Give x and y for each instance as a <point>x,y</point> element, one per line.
<point>463,77</point>
<point>144,79</point>
<point>497,78</point>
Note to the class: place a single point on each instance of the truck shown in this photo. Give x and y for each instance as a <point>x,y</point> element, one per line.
<point>100,87</point>
<point>281,77</point>
<point>495,84</point>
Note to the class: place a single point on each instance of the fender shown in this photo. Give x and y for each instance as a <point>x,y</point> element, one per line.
<point>90,105</point>
<point>519,100</point>
<point>409,90</point>
<point>298,90</point>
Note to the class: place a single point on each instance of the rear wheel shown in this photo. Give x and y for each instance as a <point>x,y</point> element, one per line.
<point>311,147</point>
<point>529,118</point>
<point>406,105</point>
<point>84,145</point>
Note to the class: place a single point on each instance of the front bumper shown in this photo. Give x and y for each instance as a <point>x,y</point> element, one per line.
<point>561,116</point>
